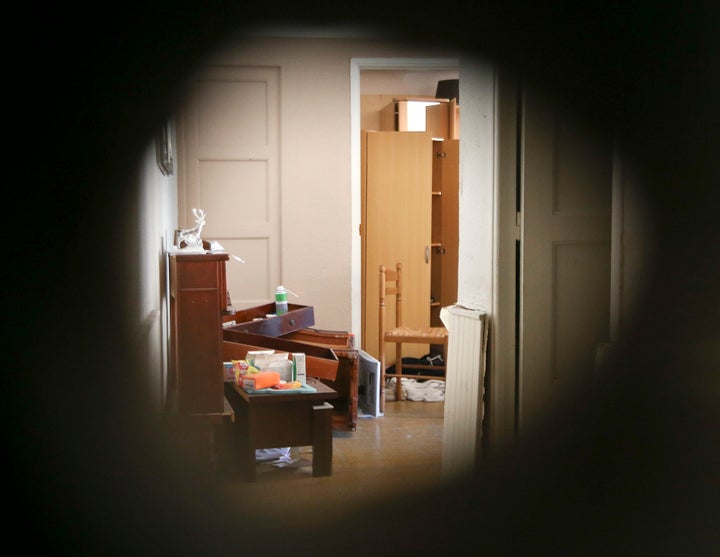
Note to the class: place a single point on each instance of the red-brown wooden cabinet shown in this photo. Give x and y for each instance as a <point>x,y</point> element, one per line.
<point>198,290</point>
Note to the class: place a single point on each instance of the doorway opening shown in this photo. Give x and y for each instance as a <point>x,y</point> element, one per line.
<point>375,83</point>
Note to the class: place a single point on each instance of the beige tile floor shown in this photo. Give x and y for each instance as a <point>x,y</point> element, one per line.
<point>392,455</point>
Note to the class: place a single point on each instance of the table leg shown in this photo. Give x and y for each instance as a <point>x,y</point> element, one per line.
<point>322,439</point>
<point>246,448</point>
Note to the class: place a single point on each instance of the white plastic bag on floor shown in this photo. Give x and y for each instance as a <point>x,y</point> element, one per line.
<point>429,390</point>
<point>281,455</point>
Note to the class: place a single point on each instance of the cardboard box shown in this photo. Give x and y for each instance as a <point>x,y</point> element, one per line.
<point>299,367</point>
<point>229,371</point>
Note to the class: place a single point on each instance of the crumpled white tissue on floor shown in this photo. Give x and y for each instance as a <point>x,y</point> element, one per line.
<point>429,390</point>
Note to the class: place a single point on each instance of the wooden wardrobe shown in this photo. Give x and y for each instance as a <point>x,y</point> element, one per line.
<point>408,217</point>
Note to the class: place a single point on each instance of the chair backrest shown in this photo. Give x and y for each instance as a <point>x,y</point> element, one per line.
<point>390,285</point>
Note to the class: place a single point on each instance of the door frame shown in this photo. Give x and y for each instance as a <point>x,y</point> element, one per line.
<point>356,66</point>
<point>496,129</point>
<point>496,123</point>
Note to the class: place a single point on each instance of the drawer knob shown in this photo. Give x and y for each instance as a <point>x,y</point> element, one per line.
<point>292,322</point>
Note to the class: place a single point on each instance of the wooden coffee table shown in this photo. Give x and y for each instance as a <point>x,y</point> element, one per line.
<point>264,421</point>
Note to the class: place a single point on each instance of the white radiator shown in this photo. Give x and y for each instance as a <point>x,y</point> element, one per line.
<point>462,423</point>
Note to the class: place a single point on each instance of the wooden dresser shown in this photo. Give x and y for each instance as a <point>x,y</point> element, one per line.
<point>197,301</point>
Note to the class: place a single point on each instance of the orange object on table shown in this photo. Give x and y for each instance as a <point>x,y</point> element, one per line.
<point>262,380</point>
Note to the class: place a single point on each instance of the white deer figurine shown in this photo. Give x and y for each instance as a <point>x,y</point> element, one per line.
<point>191,236</point>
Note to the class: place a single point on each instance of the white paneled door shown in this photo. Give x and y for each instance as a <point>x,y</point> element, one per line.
<point>565,257</point>
<point>228,141</point>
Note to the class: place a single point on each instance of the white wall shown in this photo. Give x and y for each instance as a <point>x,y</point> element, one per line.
<point>157,207</point>
<point>316,174</point>
<point>477,190</point>
<point>421,83</point>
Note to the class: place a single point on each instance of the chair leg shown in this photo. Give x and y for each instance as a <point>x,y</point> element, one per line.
<point>382,377</point>
<point>398,370</point>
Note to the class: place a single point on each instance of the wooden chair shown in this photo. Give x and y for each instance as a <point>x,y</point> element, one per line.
<point>391,285</point>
